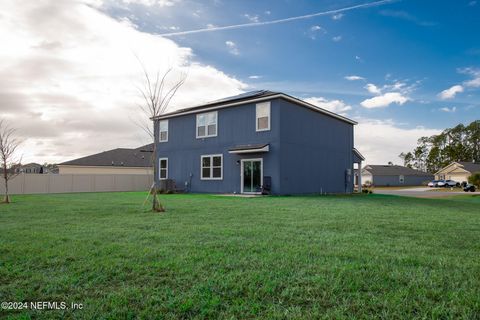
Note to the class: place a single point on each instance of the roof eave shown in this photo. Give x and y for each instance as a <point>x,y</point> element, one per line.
<point>273,96</point>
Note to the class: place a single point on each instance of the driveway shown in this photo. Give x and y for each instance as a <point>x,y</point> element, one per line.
<point>423,192</point>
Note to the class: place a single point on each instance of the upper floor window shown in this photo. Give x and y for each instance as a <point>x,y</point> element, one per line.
<point>163,131</point>
<point>163,168</point>
<point>207,124</point>
<point>212,167</point>
<point>263,116</point>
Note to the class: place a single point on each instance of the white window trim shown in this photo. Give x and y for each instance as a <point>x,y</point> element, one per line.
<point>269,116</point>
<point>159,131</point>
<point>206,126</point>
<point>211,167</point>
<point>159,169</point>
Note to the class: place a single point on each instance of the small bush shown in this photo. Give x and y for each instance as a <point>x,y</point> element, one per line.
<point>475,179</point>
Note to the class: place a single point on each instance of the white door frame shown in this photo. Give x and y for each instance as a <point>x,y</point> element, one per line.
<point>241,174</point>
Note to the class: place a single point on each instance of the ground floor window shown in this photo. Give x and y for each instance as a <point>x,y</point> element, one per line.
<point>163,168</point>
<point>212,167</point>
<point>401,179</point>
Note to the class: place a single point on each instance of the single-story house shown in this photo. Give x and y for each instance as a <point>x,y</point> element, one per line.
<point>33,167</point>
<point>458,171</point>
<point>260,141</point>
<point>116,161</point>
<point>394,175</point>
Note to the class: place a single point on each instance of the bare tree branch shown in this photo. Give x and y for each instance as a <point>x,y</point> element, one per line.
<point>156,99</point>
<point>8,147</point>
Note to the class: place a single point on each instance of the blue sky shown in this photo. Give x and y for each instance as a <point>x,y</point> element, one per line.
<point>423,44</point>
<point>402,69</point>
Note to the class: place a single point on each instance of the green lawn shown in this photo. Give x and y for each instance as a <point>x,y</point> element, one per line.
<point>338,257</point>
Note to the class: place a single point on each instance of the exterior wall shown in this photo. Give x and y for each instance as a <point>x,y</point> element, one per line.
<point>367,178</point>
<point>394,181</point>
<point>459,177</point>
<point>103,170</point>
<point>316,152</point>
<point>235,126</point>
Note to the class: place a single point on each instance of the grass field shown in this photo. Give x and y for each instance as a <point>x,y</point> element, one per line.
<point>214,257</point>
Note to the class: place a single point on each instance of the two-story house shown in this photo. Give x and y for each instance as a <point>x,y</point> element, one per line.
<point>241,143</point>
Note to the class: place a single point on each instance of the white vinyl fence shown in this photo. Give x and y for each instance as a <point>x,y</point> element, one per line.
<point>66,183</point>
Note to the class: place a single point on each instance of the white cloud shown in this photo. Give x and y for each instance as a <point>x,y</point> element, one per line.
<point>337,106</point>
<point>337,38</point>
<point>150,3</point>
<point>381,141</point>
<point>450,92</point>
<point>73,93</point>
<point>373,88</point>
<point>475,73</point>
<point>384,100</point>
<point>232,47</point>
<point>254,77</point>
<point>354,78</point>
<point>450,110</point>
<point>314,30</point>
<point>252,18</point>
<point>337,16</point>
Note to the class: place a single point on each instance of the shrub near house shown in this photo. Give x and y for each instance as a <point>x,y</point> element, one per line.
<point>475,179</point>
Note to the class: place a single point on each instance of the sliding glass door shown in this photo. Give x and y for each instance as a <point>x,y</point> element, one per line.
<point>252,175</point>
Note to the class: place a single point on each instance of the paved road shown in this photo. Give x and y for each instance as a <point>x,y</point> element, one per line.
<point>422,192</point>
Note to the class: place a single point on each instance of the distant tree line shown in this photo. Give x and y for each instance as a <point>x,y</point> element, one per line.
<point>461,143</point>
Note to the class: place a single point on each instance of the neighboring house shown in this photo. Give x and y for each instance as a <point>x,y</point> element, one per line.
<point>458,171</point>
<point>393,175</point>
<point>116,161</point>
<point>33,167</point>
<point>258,139</point>
<point>357,178</point>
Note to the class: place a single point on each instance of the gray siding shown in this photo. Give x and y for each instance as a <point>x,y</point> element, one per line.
<point>316,152</point>
<point>394,181</point>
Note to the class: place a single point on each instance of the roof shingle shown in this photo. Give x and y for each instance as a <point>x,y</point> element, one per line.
<point>120,157</point>
<point>471,166</point>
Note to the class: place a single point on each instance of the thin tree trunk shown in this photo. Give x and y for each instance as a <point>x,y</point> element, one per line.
<point>156,205</point>
<point>5,178</point>
<point>7,197</point>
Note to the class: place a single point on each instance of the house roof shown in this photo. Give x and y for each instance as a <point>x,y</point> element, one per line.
<point>120,157</point>
<point>393,170</point>
<point>358,155</point>
<point>470,166</point>
<point>250,148</point>
<point>252,96</point>
<point>31,164</point>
